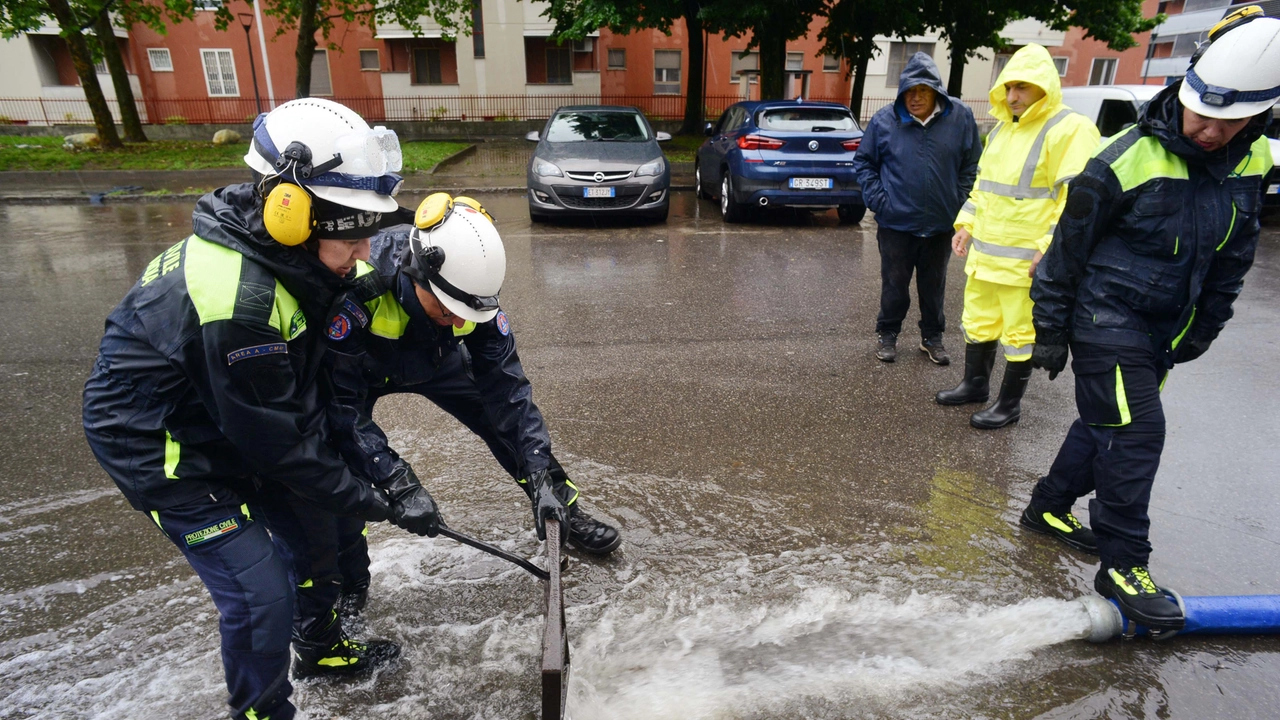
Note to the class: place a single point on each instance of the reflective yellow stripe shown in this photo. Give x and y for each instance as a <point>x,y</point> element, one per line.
<point>364,531</point>
<point>155,515</point>
<point>466,329</point>
<point>338,661</point>
<point>172,453</point>
<point>307,584</point>
<point>252,714</point>
<point>213,279</point>
<point>245,510</point>
<point>389,319</point>
<point>1057,524</point>
<point>573,487</point>
<point>1230,227</point>
<point>1122,400</point>
<point>1184,330</point>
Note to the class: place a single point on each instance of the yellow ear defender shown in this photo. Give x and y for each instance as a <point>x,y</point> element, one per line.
<point>433,210</point>
<point>286,212</point>
<point>473,204</point>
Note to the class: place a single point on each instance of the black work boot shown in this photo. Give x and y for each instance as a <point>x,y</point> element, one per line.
<point>1008,407</point>
<point>1061,526</point>
<point>352,601</point>
<point>934,349</point>
<point>887,347</point>
<point>975,387</point>
<point>590,535</point>
<point>1139,598</point>
<point>334,654</point>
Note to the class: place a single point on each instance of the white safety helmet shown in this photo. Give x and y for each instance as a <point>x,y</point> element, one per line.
<point>463,261</point>
<point>349,163</point>
<point>1238,74</point>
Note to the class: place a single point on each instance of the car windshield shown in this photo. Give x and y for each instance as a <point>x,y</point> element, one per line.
<point>810,119</point>
<point>582,126</point>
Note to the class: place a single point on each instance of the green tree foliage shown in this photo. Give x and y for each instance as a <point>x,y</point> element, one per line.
<point>310,17</point>
<point>771,23</point>
<point>851,29</point>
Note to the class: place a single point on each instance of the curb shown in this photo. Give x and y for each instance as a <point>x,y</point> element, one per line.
<point>451,159</point>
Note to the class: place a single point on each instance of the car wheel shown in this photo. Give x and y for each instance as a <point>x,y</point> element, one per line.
<point>851,214</point>
<point>698,188</point>
<point>731,210</point>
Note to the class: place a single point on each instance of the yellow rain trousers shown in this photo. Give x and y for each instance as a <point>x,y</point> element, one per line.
<point>1015,203</point>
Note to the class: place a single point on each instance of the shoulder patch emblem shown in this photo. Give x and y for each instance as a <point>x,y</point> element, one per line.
<point>354,309</point>
<point>216,530</point>
<point>340,327</point>
<point>504,325</point>
<point>256,351</point>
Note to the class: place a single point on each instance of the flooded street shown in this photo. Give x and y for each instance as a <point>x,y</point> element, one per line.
<point>806,533</point>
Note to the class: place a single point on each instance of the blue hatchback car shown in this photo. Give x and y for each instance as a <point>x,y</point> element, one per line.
<point>781,153</point>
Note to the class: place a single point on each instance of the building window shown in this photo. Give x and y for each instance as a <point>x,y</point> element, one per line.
<point>211,5</point>
<point>830,63</point>
<point>1061,64</point>
<point>618,59</point>
<point>160,59</point>
<point>320,83</point>
<point>899,54</point>
<point>220,73</point>
<point>1103,71</point>
<point>746,61</point>
<point>426,67</point>
<point>369,60</point>
<point>559,65</point>
<point>795,61</point>
<point>100,67</point>
<point>666,72</point>
<point>477,28</point>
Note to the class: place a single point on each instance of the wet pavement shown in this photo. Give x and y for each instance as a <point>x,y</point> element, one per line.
<point>808,535</point>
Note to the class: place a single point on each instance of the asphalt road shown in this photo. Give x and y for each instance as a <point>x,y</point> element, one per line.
<point>807,533</point>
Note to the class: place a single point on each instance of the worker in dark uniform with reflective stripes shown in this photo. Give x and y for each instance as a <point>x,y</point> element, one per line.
<point>203,404</point>
<point>1150,254</point>
<point>429,324</point>
<point>1006,225</point>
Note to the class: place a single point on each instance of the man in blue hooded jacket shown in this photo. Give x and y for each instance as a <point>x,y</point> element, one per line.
<point>917,163</point>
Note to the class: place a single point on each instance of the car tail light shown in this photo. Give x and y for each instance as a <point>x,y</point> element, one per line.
<point>759,142</point>
<point>851,145</point>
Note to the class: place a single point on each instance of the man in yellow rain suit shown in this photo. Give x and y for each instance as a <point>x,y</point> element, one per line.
<point>1004,229</point>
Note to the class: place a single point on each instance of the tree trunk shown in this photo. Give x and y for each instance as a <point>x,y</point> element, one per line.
<point>119,78</point>
<point>695,95</point>
<point>955,79</point>
<point>773,63</point>
<point>306,48</point>
<point>859,87</point>
<point>82,59</point>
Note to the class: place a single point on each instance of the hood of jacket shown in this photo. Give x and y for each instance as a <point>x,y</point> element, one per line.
<point>1032,64</point>
<point>232,217</point>
<point>920,70</point>
<point>1162,119</point>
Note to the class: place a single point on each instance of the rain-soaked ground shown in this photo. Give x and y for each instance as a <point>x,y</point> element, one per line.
<point>807,534</point>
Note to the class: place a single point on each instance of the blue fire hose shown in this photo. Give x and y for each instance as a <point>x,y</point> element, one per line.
<point>1210,615</point>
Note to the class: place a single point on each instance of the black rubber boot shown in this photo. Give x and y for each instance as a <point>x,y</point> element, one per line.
<point>590,535</point>
<point>352,601</point>
<point>1139,598</point>
<point>335,654</point>
<point>1063,527</point>
<point>1008,407</point>
<point>976,386</point>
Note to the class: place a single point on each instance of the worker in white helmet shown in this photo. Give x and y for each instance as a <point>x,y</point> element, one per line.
<point>1148,257</point>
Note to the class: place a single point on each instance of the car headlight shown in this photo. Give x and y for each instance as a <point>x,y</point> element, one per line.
<point>542,168</point>
<point>651,168</point>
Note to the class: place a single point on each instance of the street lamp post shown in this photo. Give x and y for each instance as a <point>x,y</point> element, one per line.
<point>246,21</point>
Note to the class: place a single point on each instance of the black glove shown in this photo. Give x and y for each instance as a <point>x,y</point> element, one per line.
<point>411,505</point>
<point>547,505</point>
<point>1189,350</point>
<point>1051,357</point>
<point>379,510</point>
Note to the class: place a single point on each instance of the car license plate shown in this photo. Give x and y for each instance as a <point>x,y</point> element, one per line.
<point>597,192</point>
<point>811,183</point>
<point>1273,190</point>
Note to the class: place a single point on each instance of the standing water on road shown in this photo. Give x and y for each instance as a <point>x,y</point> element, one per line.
<point>806,534</point>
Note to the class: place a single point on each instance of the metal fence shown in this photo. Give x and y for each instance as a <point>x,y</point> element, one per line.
<point>53,111</point>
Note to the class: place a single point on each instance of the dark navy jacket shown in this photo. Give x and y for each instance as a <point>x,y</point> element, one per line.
<point>1155,239</point>
<point>207,375</point>
<point>915,177</point>
<point>386,341</point>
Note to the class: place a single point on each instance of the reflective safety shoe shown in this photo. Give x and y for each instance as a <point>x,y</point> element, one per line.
<point>345,657</point>
<point>1060,526</point>
<point>887,347</point>
<point>1139,598</point>
<point>351,603</point>
<point>936,352</point>
<point>590,535</point>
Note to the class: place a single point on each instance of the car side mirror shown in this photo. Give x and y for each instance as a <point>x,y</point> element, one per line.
<point>708,129</point>
<point>532,136</point>
<point>661,136</point>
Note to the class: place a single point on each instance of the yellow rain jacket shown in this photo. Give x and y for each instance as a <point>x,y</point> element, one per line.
<point>1023,175</point>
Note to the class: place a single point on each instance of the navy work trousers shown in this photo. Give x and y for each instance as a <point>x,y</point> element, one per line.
<point>901,255</point>
<point>1113,449</point>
